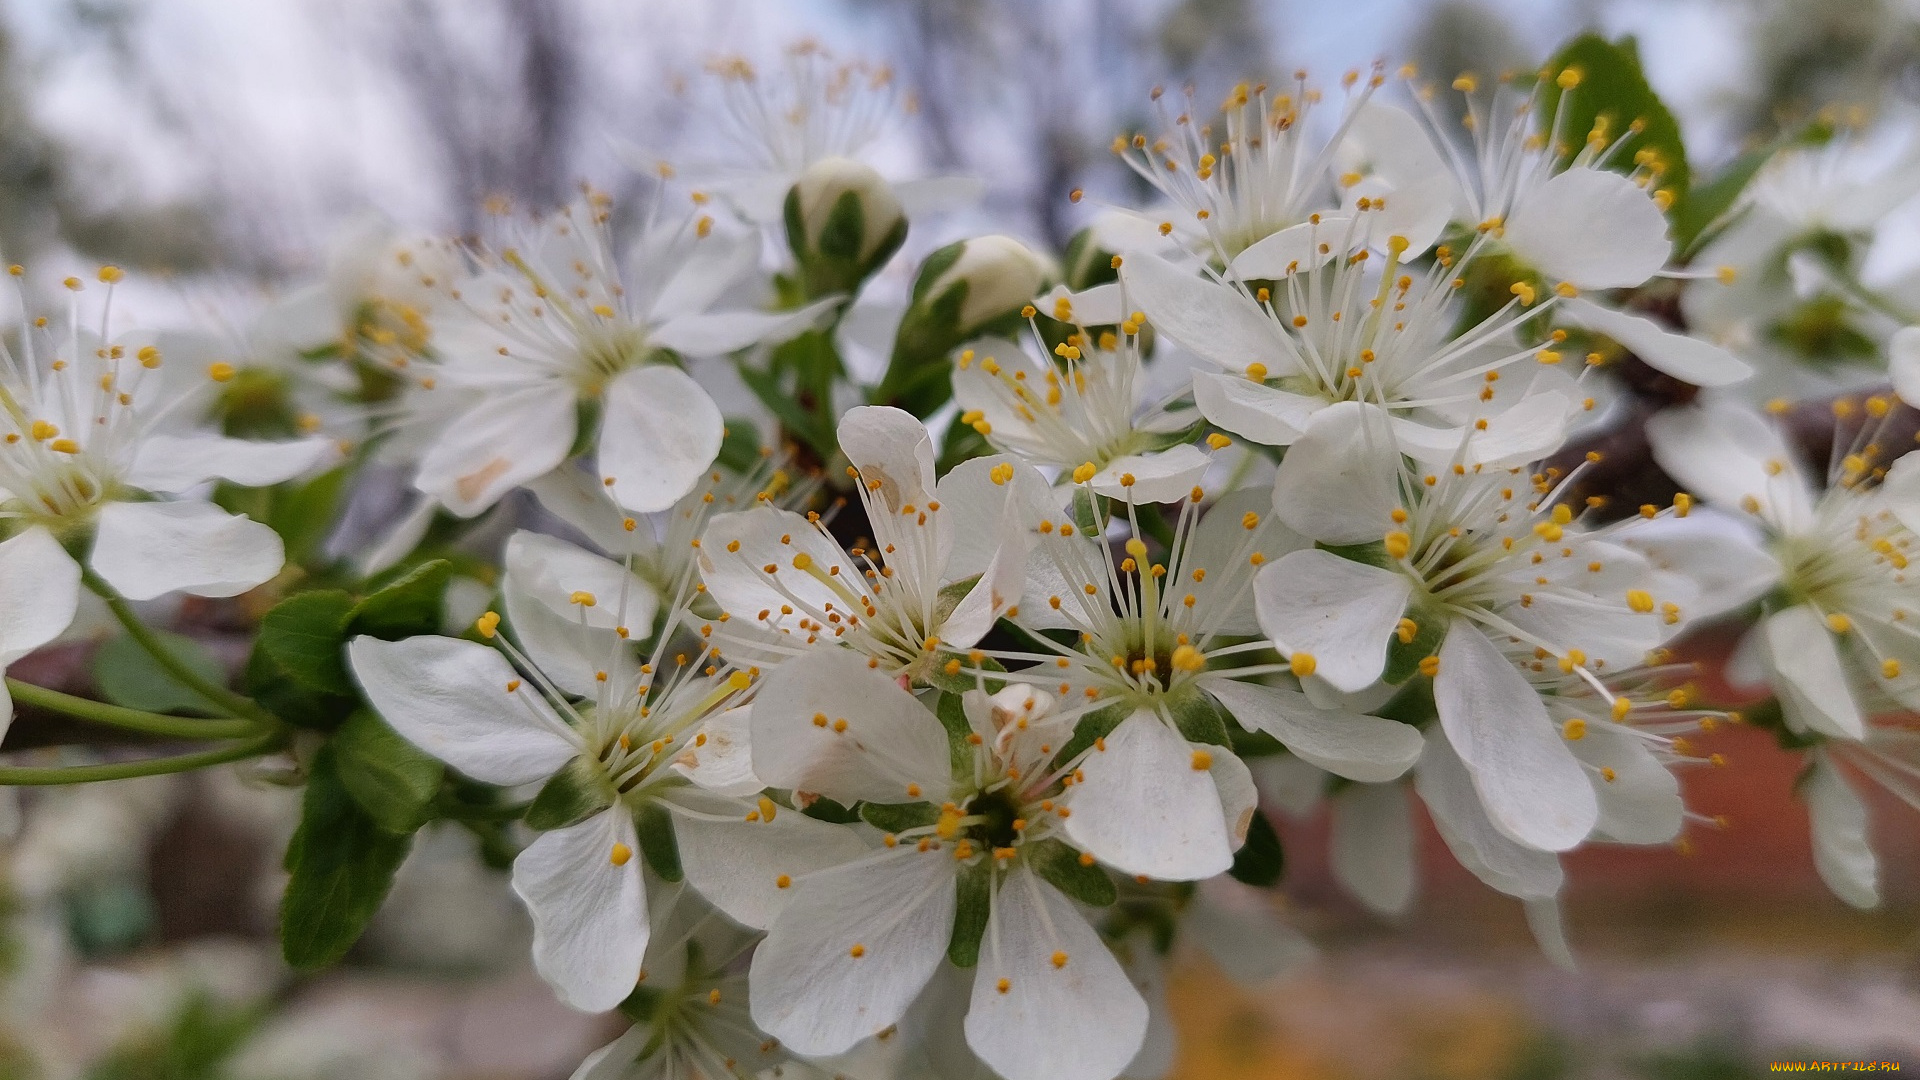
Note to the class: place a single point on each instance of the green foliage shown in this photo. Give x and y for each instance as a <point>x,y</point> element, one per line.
<point>125,674</point>
<point>1260,861</point>
<point>1060,866</point>
<point>973,902</point>
<point>194,1044</point>
<point>391,779</point>
<point>1613,85</point>
<point>341,864</point>
<point>739,445</point>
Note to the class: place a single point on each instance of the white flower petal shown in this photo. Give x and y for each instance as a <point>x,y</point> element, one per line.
<point>1239,798</point>
<point>737,548</point>
<point>1532,786</point>
<point>1242,931</point>
<point>1903,357</point>
<point>740,866</point>
<point>589,909</point>
<point>720,759</point>
<point>1340,481</point>
<point>1049,1001</point>
<point>1254,411</point>
<point>1733,458</point>
<point>1641,803</point>
<point>1340,612</point>
<point>1723,556</point>
<point>572,642</point>
<point>499,444</point>
<point>709,266</point>
<point>1839,821</point>
<point>1371,846</point>
<point>1534,427</point>
<point>1543,918</point>
<point>450,698</point>
<point>811,992</point>
<point>580,499</point>
<point>1591,228</point>
<point>1295,249</point>
<point>1902,490</point>
<point>720,332</point>
<point>1459,817</point>
<point>1353,745</point>
<point>154,548</point>
<point>1216,322</point>
<point>1159,476</point>
<point>888,741</point>
<point>890,446</point>
<point>39,592</point>
<point>1223,546</point>
<point>1144,809</point>
<point>995,511</point>
<point>658,436</point>
<point>1683,356</point>
<point>1808,674</point>
<point>175,463</point>
<point>1097,306</point>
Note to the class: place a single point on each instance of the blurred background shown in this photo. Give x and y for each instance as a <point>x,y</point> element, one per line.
<point>222,146</point>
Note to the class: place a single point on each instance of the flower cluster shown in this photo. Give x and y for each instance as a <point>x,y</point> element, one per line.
<point>930,711</point>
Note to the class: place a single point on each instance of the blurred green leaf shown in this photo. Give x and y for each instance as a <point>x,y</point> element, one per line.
<point>341,864</point>
<point>1612,84</point>
<point>126,675</point>
<point>392,780</point>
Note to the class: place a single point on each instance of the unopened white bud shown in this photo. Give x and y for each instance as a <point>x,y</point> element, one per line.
<point>1002,276</point>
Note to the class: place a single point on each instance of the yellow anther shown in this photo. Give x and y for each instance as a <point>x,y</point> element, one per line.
<point>1640,600</point>
<point>621,853</point>
<point>64,446</point>
<point>857,951</point>
<point>1726,275</point>
<point>1569,78</point>
<point>43,430</point>
<point>1219,441</point>
<point>1547,356</point>
<point>1839,623</point>
<point>1682,503</point>
<point>1524,291</point>
<point>1890,668</point>
<point>1406,631</point>
<point>802,561</point>
<point>1430,666</point>
<point>1059,959</point>
<point>1084,472</point>
<point>1188,658</point>
<point>768,808</point>
<point>487,624</point>
<point>220,371</point>
<point>582,598</point>
<point>1621,707</point>
<point>1202,761</point>
<point>1398,544</point>
<point>1126,480</point>
<point>1001,473</point>
<point>1302,664</point>
<point>1257,371</point>
<point>1574,730</point>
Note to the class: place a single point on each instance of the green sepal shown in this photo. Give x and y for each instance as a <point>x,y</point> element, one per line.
<point>1200,719</point>
<point>1092,727</point>
<point>390,778</point>
<point>407,606</point>
<point>953,716</point>
<point>1086,512</point>
<point>1260,861</point>
<point>899,817</point>
<point>825,809</point>
<point>574,794</point>
<point>1403,658</point>
<point>653,824</point>
<point>1372,554</point>
<point>126,675</point>
<point>973,902</point>
<point>1613,84</point>
<point>1060,866</point>
<point>340,866</point>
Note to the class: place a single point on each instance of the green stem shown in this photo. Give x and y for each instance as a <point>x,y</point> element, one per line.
<point>12,776</point>
<point>99,712</point>
<point>233,704</point>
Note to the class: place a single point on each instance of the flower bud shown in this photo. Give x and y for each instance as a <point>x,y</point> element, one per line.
<point>843,222</point>
<point>964,290</point>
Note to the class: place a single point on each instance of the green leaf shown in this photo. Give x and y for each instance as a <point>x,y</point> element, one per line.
<point>411,605</point>
<point>126,675</point>
<point>1200,720</point>
<point>1700,214</point>
<point>341,864</point>
<point>1260,861</point>
<point>973,901</point>
<point>1612,84</point>
<point>304,636</point>
<point>899,817</point>
<point>1060,866</point>
<point>303,514</point>
<point>658,844</point>
<point>392,780</point>
<point>825,809</point>
<point>574,794</point>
